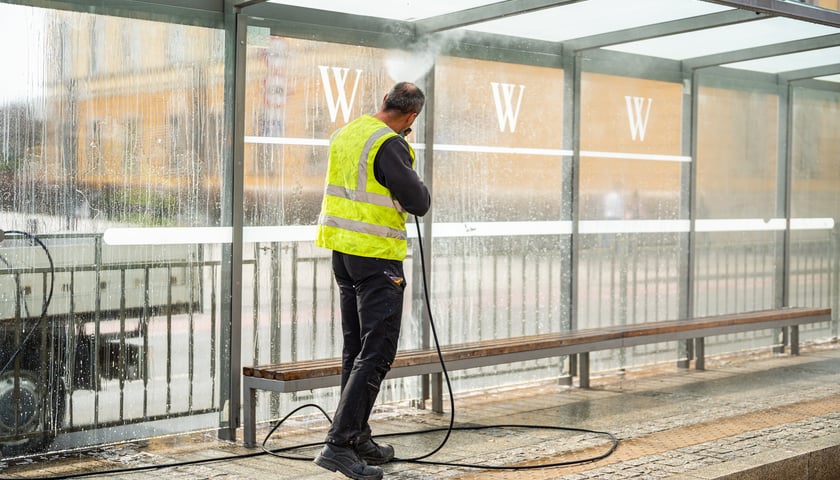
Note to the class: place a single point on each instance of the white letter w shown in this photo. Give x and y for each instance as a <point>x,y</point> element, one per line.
<point>638,125</point>
<point>340,100</point>
<point>506,113</point>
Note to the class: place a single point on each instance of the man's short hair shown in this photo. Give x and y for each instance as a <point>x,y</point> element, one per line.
<point>405,97</point>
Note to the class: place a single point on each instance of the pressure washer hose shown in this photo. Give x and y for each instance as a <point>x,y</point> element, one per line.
<point>279,452</point>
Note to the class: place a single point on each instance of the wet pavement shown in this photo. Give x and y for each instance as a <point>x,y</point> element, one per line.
<point>751,416</point>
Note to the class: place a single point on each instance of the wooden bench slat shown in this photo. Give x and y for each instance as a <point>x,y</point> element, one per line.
<point>320,373</point>
<point>489,348</point>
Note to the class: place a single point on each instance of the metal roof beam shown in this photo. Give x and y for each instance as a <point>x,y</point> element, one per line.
<point>807,73</point>
<point>484,13</point>
<point>330,26</point>
<point>798,11</point>
<point>208,13</point>
<point>819,85</point>
<point>247,3</point>
<point>630,65</point>
<point>701,22</point>
<point>200,5</point>
<point>502,48</point>
<point>803,45</point>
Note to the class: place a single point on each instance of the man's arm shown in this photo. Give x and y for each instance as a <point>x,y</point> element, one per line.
<point>392,168</point>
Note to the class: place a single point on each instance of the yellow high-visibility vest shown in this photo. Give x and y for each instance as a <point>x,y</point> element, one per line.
<point>358,214</point>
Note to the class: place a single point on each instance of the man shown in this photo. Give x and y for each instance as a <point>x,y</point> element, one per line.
<point>371,188</point>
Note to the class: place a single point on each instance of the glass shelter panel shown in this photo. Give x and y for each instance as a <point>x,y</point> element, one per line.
<point>499,245</point>
<point>828,4</point>
<point>682,162</point>
<point>631,170</point>
<point>299,92</point>
<point>740,232</point>
<point>814,276</point>
<point>112,133</point>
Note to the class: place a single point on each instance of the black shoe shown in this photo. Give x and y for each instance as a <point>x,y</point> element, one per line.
<point>373,453</point>
<point>346,461</point>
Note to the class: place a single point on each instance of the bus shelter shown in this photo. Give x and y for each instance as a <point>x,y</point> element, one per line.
<point>591,163</point>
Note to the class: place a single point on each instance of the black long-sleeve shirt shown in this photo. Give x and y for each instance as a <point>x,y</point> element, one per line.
<point>392,168</point>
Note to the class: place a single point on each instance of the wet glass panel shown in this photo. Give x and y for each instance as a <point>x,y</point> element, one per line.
<point>499,243</point>
<point>815,203</point>
<point>737,153</point>
<point>631,174</point>
<point>739,221</point>
<point>299,92</point>
<point>827,4</point>
<point>107,123</point>
<point>498,137</point>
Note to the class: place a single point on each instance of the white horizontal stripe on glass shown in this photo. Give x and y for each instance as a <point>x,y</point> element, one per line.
<point>305,233</point>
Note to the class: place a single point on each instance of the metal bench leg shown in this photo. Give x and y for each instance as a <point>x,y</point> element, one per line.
<point>699,354</point>
<point>794,339</point>
<point>687,347</point>
<point>567,372</point>
<point>437,392</point>
<point>249,413</point>
<point>583,369</point>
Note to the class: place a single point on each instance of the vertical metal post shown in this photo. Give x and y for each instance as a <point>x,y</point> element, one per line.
<point>584,369</point>
<point>18,338</point>
<point>97,336</point>
<point>191,348</point>
<point>574,240</point>
<point>144,332</point>
<point>794,339</point>
<point>232,215</point>
<point>834,284</point>
<point>700,352</point>
<point>295,262</point>
<point>168,339</point>
<point>783,205</point>
<point>568,202</point>
<point>214,293</point>
<point>688,209</point>
<point>275,326</point>
<point>435,381</point>
<point>275,334</point>
<point>123,355</point>
<point>784,190</point>
<point>255,314</point>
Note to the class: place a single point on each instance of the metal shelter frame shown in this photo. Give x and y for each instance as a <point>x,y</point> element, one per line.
<point>235,16</point>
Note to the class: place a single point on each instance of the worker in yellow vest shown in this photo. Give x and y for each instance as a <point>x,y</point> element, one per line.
<point>371,187</point>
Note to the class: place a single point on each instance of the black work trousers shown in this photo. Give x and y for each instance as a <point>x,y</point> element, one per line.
<point>371,295</point>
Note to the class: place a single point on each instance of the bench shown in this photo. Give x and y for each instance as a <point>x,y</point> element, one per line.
<point>312,374</point>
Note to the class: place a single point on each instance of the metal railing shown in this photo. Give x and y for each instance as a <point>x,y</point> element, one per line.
<point>135,341</point>
<point>130,336</point>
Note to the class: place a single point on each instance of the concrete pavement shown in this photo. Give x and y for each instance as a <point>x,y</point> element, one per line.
<point>757,416</point>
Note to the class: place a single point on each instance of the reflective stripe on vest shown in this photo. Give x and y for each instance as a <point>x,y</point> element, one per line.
<point>361,227</point>
<point>363,158</point>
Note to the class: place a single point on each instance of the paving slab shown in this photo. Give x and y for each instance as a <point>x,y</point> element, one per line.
<point>748,416</point>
